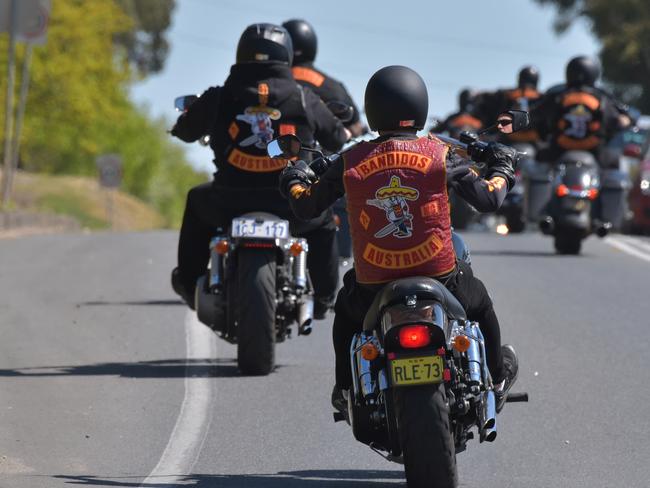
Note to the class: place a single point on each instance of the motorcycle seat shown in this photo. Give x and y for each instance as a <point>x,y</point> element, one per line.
<point>423,287</point>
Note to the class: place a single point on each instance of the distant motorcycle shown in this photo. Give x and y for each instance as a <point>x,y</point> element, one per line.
<point>419,368</point>
<point>569,212</point>
<point>514,205</point>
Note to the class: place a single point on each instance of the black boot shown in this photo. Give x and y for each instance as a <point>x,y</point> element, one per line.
<point>179,288</point>
<point>321,306</point>
<point>339,402</point>
<point>511,370</point>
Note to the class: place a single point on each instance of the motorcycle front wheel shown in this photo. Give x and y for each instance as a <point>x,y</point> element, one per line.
<point>425,436</point>
<point>256,305</point>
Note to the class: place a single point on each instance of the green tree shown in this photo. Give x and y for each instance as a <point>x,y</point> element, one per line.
<point>145,42</point>
<point>78,105</point>
<point>623,28</point>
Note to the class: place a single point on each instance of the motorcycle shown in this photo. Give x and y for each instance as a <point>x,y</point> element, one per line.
<point>570,211</point>
<point>258,258</point>
<point>419,370</point>
<point>514,205</point>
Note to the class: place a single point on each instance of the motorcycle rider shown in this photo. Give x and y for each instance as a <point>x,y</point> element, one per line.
<point>258,100</point>
<point>520,98</point>
<point>399,173</point>
<point>465,119</point>
<point>578,115</point>
<point>305,46</point>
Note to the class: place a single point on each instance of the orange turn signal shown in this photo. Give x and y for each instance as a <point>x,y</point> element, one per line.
<point>562,191</point>
<point>369,351</point>
<point>461,343</point>
<point>337,220</point>
<point>592,193</point>
<point>295,249</point>
<point>222,247</point>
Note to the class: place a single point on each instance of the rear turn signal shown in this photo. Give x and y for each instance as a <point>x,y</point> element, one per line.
<point>295,249</point>
<point>222,247</point>
<point>461,343</point>
<point>369,351</point>
<point>414,336</point>
<point>562,191</point>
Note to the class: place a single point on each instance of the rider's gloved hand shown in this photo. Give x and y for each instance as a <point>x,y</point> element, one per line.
<point>296,173</point>
<point>501,161</point>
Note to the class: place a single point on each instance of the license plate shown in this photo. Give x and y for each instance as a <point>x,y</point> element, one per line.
<point>574,204</point>
<point>266,229</point>
<point>417,371</point>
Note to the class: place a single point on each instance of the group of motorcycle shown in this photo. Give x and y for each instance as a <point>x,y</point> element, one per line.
<point>562,198</point>
<point>420,377</point>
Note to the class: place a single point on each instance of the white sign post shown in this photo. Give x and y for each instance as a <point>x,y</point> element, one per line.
<point>26,21</point>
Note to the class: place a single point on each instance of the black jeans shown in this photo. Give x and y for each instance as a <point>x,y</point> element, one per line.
<point>210,208</point>
<point>354,301</point>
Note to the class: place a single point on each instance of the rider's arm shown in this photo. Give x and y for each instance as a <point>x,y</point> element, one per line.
<point>329,130</point>
<point>485,195</point>
<point>308,201</point>
<point>199,117</point>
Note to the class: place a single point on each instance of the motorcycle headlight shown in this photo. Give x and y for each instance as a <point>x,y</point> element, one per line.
<point>645,186</point>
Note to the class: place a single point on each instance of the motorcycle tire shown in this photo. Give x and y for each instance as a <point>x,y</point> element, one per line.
<point>567,242</point>
<point>425,436</point>
<point>256,311</point>
<point>516,224</point>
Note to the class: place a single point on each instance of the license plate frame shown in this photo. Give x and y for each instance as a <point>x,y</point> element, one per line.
<point>575,204</point>
<point>410,371</point>
<point>243,227</point>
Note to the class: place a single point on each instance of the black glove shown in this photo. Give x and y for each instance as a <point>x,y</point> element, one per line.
<point>296,173</point>
<point>501,160</point>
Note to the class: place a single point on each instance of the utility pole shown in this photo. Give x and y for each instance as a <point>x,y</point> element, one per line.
<point>11,72</point>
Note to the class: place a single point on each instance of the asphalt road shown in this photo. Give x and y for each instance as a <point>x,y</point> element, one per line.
<point>106,380</point>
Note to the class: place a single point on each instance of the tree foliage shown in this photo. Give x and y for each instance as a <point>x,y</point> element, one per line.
<point>78,106</point>
<point>145,41</point>
<point>623,28</point>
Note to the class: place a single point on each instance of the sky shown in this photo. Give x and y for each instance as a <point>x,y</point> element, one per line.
<point>453,44</point>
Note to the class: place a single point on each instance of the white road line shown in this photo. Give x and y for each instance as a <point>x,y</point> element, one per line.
<point>626,247</point>
<point>193,421</point>
<point>639,243</point>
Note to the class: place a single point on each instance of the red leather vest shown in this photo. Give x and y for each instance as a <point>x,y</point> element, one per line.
<point>398,209</point>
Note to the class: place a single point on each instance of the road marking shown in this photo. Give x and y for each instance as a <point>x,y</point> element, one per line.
<point>193,421</point>
<point>630,245</point>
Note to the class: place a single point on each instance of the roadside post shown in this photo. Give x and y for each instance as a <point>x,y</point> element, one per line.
<point>110,178</point>
<point>25,21</point>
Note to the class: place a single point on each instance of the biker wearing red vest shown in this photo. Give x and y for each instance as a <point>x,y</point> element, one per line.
<point>396,186</point>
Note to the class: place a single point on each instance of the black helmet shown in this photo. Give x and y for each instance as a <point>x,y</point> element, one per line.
<point>261,43</point>
<point>528,77</point>
<point>303,38</point>
<point>396,98</point>
<point>582,70</point>
<point>466,99</point>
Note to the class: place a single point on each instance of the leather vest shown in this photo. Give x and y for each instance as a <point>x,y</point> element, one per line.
<point>579,124</point>
<point>398,209</point>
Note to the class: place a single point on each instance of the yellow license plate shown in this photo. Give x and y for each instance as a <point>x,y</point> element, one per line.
<point>417,371</point>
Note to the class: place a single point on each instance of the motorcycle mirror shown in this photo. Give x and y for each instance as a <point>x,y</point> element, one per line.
<point>287,146</point>
<point>181,104</point>
<point>512,121</point>
<point>341,110</point>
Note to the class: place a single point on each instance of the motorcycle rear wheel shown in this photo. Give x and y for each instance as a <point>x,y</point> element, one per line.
<point>256,303</point>
<point>425,436</point>
<point>568,242</point>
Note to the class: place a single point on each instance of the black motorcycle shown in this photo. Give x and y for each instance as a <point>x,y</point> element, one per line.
<point>571,209</point>
<point>256,286</point>
<point>419,368</point>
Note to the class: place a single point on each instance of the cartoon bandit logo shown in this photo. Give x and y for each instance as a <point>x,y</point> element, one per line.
<point>260,118</point>
<point>392,199</point>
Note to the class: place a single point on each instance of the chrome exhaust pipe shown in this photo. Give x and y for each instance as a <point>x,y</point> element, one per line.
<point>474,357</point>
<point>305,314</point>
<point>489,417</point>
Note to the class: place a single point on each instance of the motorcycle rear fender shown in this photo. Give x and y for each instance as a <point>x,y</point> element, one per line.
<point>580,221</point>
<point>427,312</point>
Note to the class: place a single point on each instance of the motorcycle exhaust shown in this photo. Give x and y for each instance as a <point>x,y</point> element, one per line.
<point>474,358</point>
<point>305,315</point>
<point>547,226</point>
<point>489,412</point>
<point>603,228</point>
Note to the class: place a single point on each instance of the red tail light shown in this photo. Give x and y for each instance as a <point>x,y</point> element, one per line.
<point>414,336</point>
<point>562,190</point>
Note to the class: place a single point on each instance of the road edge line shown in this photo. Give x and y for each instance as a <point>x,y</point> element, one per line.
<point>193,421</point>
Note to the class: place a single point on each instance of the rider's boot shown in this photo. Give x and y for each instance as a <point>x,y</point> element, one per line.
<point>511,368</point>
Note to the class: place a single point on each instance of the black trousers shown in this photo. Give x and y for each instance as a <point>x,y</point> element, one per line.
<point>210,208</point>
<point>354,301</point>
